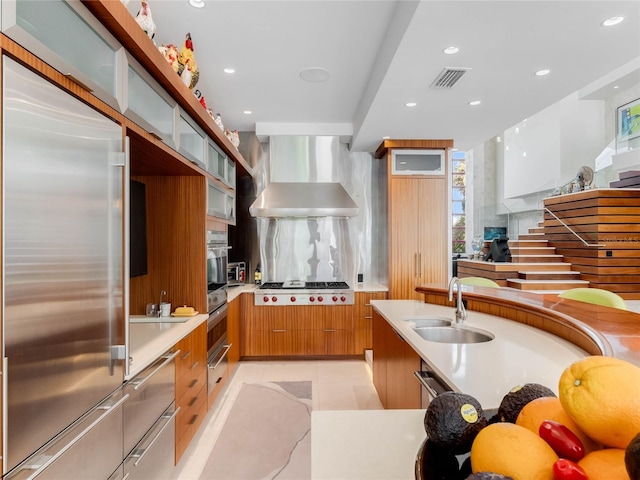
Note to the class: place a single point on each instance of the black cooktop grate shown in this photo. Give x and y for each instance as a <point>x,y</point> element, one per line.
<point>307,285</point>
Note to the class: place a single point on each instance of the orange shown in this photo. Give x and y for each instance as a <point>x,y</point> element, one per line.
<point>549,408</point>
<point>602,395</point>
<point>514,451</point>
<point>607,464</point>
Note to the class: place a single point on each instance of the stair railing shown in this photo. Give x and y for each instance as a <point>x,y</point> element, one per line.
<point>584,242</point>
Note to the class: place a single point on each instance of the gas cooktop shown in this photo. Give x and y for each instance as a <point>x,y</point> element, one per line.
<point>300,285</point>
<point>297,292</point>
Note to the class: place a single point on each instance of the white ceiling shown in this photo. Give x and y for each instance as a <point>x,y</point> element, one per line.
<point>382,54</point>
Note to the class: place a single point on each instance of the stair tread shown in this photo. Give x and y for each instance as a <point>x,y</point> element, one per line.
<point>523,280</point>
<point>550,272</point>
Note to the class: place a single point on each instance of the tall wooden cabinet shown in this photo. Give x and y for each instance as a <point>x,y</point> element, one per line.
<point>418,220</point>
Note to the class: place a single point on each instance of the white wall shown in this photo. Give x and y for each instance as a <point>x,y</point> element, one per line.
<point>547,149</point>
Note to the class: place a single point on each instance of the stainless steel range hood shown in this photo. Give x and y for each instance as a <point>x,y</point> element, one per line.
<point>304,199</point>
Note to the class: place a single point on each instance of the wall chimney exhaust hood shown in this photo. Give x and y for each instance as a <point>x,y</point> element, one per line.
<point>304,199</point>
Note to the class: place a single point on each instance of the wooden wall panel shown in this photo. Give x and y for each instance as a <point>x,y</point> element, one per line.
<point>609,218</point>
<point>176,245</point>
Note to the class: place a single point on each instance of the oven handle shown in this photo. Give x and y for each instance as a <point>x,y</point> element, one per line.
<point>425,385</point>
<point>216,314</point>
<point>224,354</point>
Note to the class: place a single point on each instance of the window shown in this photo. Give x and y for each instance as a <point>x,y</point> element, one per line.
<point>458,171</point>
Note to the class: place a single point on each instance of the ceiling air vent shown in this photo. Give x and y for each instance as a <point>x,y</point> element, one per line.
<point>448,77</point>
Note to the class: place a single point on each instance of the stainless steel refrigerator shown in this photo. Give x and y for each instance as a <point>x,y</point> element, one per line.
<point>62,281</point>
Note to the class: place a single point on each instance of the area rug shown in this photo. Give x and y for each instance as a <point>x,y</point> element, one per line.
<point>267,435</point>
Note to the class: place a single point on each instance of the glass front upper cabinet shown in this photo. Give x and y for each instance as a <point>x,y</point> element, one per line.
<point>191,140</point>
<point>65,35</point>
<point>149,105</point>
<point>418,162</point>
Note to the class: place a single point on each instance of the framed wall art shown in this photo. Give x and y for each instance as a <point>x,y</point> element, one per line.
<point>628,125</point>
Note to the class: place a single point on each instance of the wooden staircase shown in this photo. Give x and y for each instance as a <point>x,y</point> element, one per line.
<point>534,266</point>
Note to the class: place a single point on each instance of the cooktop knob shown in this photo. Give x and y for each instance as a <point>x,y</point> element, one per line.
<point>312,299</point>
<point>274,299</point>
<point>343,299</point>
<point>335,299</point>
<point>265,299</point>
<point>293,299</point>
<point>320,299</point>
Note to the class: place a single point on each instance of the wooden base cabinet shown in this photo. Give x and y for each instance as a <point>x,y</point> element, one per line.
<point>191,387</point>
<point>306,330</point>
<point>394,362</point>
<point>363,319</point>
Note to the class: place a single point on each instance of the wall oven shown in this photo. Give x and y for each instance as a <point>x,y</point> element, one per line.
<point>217,261</point>
<point>217,348</point>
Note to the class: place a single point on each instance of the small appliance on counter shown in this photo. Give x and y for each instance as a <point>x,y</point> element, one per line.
<point>236,273</point>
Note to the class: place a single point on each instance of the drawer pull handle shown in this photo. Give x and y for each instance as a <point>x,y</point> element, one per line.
<point>194,419</point>
<point>279,331</point>
<point>368,317</point>
<point>329,330</point>
<point>186,355</point>
<point>193,401</point>
<point>167,359</point>
<point>219,380</point>
<point>193,383</point>
<point>195,364</point>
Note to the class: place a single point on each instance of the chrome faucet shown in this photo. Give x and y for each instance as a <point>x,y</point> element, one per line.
<point>162,293</point>
<point>461,313</point>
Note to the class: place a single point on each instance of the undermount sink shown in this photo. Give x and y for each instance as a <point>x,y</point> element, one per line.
<point>419,322</point>
<point>453,334</point>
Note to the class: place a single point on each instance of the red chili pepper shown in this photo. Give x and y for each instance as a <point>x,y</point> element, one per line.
<point>563,441</point>
<point>565,469</point>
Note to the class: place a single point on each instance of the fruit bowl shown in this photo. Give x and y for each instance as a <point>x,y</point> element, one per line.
<point>419,322</point>
<point>454,334</point>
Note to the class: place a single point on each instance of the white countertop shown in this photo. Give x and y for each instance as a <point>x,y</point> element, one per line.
<point>365,444</point>
<point>518,354</point>
<point>147,341</point>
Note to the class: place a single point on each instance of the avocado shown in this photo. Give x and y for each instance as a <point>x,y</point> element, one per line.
<point>453,420</point>
<point>518,397</point>
<point>632,458</point>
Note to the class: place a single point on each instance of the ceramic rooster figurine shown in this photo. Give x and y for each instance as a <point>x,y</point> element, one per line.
<point>170,54</point>
<point>190,75</point>
<point>145,20</point>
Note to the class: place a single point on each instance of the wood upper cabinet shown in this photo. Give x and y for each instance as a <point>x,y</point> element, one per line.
<point>418,210</point>
<point>418,234</point>
<point>394,362</point>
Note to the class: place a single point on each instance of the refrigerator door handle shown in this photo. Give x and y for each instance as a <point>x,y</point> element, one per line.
<point>126,254</point>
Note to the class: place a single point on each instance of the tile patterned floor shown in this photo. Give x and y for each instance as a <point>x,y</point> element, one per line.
<point>336,385</point>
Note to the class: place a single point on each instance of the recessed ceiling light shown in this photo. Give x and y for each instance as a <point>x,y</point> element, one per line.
<point>612,21</point>
<point>197,3</point>
<point>473,103</point>
<point>616,86</point>
<point>411,104</point>
<point>451,50</point>
<point>386,137</point>
<point>247,112</point>
<point>542,73</point>
<point>229,70</point>
<point>315,74</point>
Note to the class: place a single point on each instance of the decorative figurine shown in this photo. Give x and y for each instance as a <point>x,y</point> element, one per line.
<point>145,20</point>
<point>234,137</point>
<point>187,59</point>
<point>218,120</point>
<point>170,53</point>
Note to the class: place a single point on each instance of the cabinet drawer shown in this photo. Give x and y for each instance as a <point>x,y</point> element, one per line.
<point>330,342</point>
<point>190,405</point>
<point>276,342</point>
<point>190,424</point>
